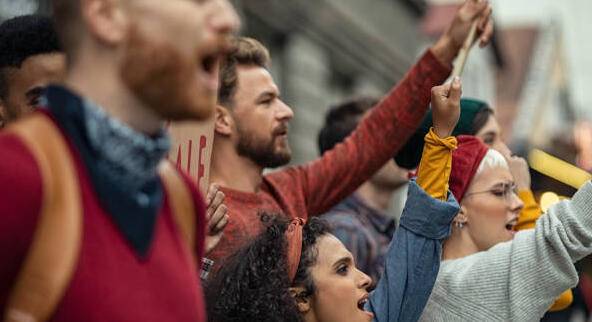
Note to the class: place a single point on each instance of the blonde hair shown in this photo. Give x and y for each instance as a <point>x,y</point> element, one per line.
<point>493,159</point>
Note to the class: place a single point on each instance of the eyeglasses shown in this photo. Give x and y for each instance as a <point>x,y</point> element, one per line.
<point>505,191</point>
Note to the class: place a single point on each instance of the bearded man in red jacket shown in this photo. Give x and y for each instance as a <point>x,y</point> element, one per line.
<point>252,126</point>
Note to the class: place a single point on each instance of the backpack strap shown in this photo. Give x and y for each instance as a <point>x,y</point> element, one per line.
<point>182,204</point>
<point>53,254</point>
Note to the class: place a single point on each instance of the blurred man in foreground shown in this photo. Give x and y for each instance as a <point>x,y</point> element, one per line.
<point>132,254</point>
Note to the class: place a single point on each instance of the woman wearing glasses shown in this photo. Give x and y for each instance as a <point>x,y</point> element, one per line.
<point>489,271</point>
<point>479,120</point>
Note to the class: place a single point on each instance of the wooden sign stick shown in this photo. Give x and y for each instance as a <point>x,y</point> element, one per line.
<point>463,53</point>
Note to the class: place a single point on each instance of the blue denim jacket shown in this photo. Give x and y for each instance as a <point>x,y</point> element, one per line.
<point>413,257</point>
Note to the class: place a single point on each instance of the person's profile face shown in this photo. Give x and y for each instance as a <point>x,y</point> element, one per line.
<point>172,54</point>
<point>492,208</point>
<point>26,84</point>
<point>490,134</point>
<point>261,118</point>
<point>341,289</point>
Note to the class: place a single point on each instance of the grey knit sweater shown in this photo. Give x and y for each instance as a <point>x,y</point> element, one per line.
<point>517,280</point>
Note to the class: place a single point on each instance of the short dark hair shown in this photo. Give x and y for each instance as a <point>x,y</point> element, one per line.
<point>252,285</point>
<point>22,37</point>
<point>243,51</point>
<point>342,120</point>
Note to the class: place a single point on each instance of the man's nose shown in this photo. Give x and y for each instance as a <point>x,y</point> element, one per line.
<point>285,112</point>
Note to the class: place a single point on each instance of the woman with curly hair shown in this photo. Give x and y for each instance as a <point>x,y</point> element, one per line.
<point>301,272</point>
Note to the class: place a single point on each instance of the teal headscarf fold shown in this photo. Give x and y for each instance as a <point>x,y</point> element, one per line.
<point>410,154</point>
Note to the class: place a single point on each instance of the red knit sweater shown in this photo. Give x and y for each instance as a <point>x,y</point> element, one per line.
<point>314,188</point>
<point>111,282</point>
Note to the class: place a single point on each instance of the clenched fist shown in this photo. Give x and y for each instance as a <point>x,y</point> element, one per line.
<point>453,38</point>
<point>446,107</point>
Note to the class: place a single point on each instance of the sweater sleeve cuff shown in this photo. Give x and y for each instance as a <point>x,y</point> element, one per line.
<point>436,164</point>
<point>427,216</point>
<point>431,139</point>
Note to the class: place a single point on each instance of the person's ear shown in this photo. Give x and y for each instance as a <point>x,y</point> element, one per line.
<point>461,218</point>
<point>302,300</point>
<point>107,20</point>
<point>223,121</point>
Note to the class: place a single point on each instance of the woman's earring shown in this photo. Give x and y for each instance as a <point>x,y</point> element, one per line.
<point>459,224</point>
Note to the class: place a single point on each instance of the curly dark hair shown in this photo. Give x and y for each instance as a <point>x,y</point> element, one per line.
<point>253,283</point>
<point>22,37</point>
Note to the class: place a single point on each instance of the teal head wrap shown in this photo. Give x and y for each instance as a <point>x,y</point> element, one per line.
<point>410,154</point>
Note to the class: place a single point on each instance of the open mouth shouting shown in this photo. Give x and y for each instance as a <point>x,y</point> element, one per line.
<point>362,303</point>
<point>209,62</point>
<point>511,226</point>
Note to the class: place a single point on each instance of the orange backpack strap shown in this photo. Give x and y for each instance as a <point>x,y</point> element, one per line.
<point>53,254</point>
<point>182,203</point>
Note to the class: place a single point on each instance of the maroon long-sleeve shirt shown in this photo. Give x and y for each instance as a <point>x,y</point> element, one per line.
<point>314,188</point>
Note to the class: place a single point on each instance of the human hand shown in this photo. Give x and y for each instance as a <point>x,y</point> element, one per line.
<point>520,171</point>
<point>446,107</point>
<point>216,215</point>
<point>447,47</point>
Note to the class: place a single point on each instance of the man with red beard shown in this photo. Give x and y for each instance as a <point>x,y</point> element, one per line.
<point>252,126</point>
<point>132,65</point>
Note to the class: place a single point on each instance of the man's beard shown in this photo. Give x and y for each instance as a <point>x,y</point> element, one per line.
<point>164,79</point>
<point>264,154</point>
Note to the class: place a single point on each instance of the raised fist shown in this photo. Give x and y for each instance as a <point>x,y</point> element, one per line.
<point>454,37</point>
<point>446,107</point>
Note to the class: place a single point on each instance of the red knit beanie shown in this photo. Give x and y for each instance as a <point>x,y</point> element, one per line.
<point>465,162</point>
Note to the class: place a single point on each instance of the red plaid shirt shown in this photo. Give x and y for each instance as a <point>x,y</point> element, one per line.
<point>314,188</point>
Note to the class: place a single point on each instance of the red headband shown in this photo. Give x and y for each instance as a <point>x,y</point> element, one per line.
<point>465,162</point>
<point>294,248</point>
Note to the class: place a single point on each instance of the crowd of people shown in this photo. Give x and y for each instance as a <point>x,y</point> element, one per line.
<point>97,224</point>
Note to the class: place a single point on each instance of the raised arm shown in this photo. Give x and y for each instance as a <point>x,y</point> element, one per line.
<point>413,257</point>
<point>531,213</point>
<point>339,172</point>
